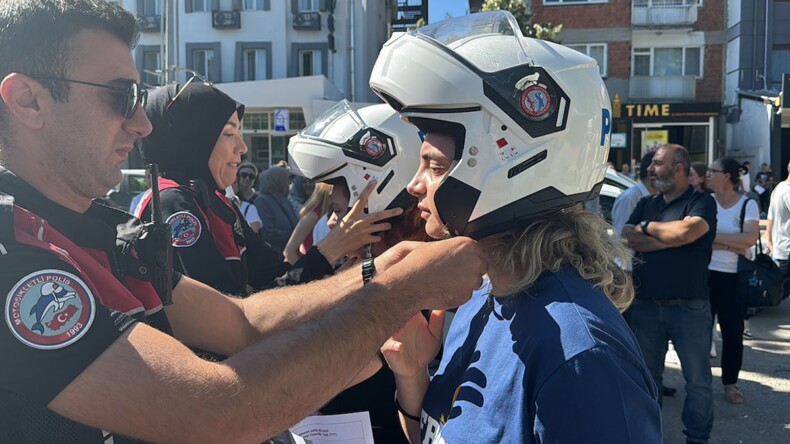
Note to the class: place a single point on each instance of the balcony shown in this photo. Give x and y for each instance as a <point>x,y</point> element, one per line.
<point>226,19</point>
<point>150,23</point>
<point>662,87</point>
<point>663,12</point>
<point>307,21</point>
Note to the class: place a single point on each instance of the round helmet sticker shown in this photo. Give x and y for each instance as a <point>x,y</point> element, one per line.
<point>185,228</point>
<point>536,101</point>
<point>374,147</point>
<point>49,309</point>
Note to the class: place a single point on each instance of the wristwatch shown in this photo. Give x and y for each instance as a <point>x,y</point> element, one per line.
<point>643,225</point>
<point>368,270</point>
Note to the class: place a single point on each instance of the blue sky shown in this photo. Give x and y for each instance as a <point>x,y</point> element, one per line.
<point>438,9</point>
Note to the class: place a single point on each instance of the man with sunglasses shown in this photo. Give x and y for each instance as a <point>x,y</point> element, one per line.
<point>111,361</point>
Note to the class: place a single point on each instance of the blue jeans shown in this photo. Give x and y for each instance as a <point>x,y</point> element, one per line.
<point>688,325</point>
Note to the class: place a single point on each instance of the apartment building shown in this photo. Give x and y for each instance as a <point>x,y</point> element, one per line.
<point>286,60</point>
<point>662,62</point>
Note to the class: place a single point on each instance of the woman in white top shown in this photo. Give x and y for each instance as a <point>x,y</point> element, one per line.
<point>724,179</point>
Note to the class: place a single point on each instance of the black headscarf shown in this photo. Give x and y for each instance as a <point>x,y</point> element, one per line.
<point>185,133</point>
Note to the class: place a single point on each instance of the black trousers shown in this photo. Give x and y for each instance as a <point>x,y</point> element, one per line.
<point>724,303</point>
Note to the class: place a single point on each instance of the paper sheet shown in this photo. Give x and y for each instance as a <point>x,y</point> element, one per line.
<point>351,428</point>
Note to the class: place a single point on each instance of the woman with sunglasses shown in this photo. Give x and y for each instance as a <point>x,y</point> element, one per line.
<point>197,142</point>
<point>736,231</point>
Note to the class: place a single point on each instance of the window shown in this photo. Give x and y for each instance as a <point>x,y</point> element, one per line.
<point>256,121</point>
<point>667,62</point>
<point>308,5</point>
<point>151,64</point>
<point>596,51</point>
<point>557,2</point>
<point>309,63</point>
<point>203,62</point>
<point>195,5</point>
<point>780,63</point>
<point>255,5</point>
<point>254,64</point>
<point>149,7</point>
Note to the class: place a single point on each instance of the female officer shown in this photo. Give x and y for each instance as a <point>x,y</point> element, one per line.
<point>516,133</point>
<point>197,142</point>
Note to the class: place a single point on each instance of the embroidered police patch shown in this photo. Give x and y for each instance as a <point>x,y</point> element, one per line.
<point>49,309</point>
<point>185,228</point>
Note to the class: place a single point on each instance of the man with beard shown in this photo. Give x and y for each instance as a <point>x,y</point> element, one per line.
<point>672,233</point>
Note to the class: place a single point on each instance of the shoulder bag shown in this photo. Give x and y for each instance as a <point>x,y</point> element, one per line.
<point>759,281</point>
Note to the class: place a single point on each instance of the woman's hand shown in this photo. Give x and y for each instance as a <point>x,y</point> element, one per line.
<point>357,229</point>
<point>409,351</point>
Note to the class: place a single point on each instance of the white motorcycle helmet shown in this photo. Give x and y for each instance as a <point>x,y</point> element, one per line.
<point>531,119</point>
<point>357,146</point>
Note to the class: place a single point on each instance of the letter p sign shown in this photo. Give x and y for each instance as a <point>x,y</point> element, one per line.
<point>606,125</point>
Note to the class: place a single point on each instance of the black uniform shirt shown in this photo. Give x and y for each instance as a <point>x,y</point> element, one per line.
<point>680,272</point>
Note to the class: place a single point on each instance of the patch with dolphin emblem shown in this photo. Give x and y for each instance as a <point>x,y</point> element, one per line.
<point>49,309</point>
<point>185,228</point>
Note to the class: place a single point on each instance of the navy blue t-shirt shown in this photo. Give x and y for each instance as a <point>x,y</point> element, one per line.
<point>554,364</point>
<point>679,272</point>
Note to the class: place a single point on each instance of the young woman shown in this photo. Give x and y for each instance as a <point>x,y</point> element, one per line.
<point>731,240</point>
<point>545,355</point>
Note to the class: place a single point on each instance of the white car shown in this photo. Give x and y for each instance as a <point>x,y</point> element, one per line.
<point>614,183</point>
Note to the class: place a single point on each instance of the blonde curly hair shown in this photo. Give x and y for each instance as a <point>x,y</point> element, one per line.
<point>568,238</point>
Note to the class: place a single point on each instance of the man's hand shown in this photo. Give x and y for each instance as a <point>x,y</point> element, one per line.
<point>441,274</point>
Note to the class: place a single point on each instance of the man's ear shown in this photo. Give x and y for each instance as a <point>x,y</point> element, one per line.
<point>23,98</point>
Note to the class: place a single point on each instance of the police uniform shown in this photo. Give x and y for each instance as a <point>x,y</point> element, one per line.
<point>72,284</point>
<point>212,242</point>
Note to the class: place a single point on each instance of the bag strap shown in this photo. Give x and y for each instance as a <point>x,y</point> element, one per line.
<point>759,231</point>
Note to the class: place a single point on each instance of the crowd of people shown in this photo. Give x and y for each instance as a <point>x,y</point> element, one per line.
<point>320,285</point>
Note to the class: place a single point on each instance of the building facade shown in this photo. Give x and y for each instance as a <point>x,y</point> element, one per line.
<point>757,73</point>
<point>662,62</point>
<point>286,60</point>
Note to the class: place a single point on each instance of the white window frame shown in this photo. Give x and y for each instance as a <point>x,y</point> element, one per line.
<point>206,72</point>
<point>146,55</point>
<point>309,5</point>
<point>260,55</point>
<point>317,62</point>
<point>571,2</point>
<point>255,4</point>
<point>202,3</point>
<point>651,53</point>
<point>157,7</point>
<point>604,66</point>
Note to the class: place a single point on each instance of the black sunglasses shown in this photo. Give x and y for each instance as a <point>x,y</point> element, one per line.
<point>246,175</point>
<point>184,86</point>
<point>133,95</point>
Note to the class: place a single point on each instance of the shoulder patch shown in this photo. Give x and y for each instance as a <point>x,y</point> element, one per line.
<point>49,309</point>
<point>185,228</point>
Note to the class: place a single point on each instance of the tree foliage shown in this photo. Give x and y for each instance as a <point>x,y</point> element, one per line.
<point>542,30</point>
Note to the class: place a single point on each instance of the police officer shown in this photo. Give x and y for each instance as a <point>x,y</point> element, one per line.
<point>110,358</point>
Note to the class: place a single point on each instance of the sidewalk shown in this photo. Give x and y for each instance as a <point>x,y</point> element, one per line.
<point>764,417</point>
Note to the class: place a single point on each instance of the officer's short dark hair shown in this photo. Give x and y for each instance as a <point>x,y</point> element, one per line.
<point>35,36</point>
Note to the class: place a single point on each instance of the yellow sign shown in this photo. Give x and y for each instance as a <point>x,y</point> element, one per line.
<point>654,139</point>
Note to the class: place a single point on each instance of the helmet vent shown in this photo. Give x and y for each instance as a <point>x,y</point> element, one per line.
<point>525,165</point>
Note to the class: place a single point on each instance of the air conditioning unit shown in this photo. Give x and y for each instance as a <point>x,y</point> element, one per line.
<point>150,23</point>
<point>307,21</point>
<point>226,19</point>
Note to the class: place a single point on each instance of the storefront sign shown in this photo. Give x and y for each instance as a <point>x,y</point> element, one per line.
<point>619,140</point>
<point>659,110</point>
<point>281,120</point>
